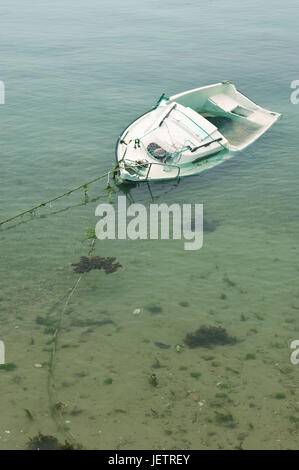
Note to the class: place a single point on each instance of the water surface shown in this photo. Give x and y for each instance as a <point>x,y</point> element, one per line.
<point>76,73</point>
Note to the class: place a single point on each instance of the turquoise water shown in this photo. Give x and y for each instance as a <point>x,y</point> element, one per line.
<point>76,73</point>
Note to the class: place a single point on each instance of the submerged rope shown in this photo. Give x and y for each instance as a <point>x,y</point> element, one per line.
<point>82,186</point>
<point>52,392</point>
<point>54,404</point>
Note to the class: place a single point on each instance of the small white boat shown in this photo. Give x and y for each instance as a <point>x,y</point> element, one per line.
<point>189,133</point>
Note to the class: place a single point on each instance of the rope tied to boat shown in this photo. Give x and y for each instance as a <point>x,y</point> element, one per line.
<point>110,174</point>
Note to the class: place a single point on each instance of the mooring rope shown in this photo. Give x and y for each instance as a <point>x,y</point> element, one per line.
<point>54,404</point>
<point>83,186</point>
<point>55,409</point>
<point>52,394</point>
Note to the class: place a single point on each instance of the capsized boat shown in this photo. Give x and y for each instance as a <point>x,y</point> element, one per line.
<point>190,132</point>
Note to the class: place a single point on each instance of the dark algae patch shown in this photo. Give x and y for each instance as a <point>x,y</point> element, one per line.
<point>225,418</point>
<point>44,442</point>
<point>184,303</point>
<point>86,264</point>
<point>108,381</point>
<point>9,366</point>
<point>29,414</point>
<point>207,336</point>
<point>106,321</point>
<point>153,380</point>
<point>279,396</point>
<point>195,375</point>
<point>162,345</point>
<point>250,357</point>
<point>210,225</point>
<point>154,309</point>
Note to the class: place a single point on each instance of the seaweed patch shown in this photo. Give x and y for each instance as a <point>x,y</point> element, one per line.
<point>154,309</point>
<point>87,264</point>
<point>207,336</point>
<point>44,442</point>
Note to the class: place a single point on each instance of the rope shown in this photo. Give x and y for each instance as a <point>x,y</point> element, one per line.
<point>56,412</point>
<point>52,394</point>
<point>54,404</point>
<point>83,186</point>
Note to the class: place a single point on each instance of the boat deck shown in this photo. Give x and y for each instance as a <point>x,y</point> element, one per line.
<point>234,131</point>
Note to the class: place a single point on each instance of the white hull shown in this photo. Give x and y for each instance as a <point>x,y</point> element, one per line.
<point>190,132</point>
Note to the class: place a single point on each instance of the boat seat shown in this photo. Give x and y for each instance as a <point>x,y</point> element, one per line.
<point>225,102</point>
<point>158,152</point>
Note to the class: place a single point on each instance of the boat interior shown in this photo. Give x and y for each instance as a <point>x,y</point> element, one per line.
<point>237,118</point>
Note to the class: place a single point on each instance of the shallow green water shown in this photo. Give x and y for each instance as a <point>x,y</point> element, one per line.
<point>76,73</point>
